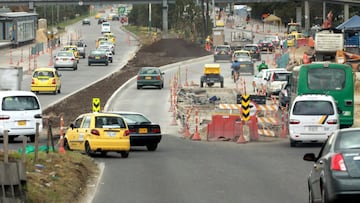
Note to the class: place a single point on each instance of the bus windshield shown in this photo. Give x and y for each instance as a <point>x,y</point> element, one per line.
<point>326,79</point>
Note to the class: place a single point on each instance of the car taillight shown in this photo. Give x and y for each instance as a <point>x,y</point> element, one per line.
<point>4,117</point>
<point>338,163</point>
<point>91,57</point>
<point>294,121</point>
<point>271,44</point>
<point>73,59</point>
<point>53,81</point>
<point>95,132</point>
<point>56,59</point>
<point>259,45</point>
<point>32,81</point>
<point>157,77</point>
<point>155,130</point>
<point>332,122</point>
<point>126,133</point>
<point>138,77</point>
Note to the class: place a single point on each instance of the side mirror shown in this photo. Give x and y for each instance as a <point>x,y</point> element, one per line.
<point>339,110</point>
<point>72,126</point>
<point>309,157</point>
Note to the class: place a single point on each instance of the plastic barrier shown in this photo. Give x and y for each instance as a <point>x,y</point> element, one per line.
<point>222,127</point>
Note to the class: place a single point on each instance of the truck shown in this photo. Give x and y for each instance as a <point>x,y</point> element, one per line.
<point>11,78</point>
<point>241,38</point>
<point>81,46</point>
<point>327,42</point>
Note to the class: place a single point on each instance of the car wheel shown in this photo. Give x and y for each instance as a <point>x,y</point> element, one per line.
<point>222,84</point>
<point>151,147</point>
<point>324,195</point>
<point>124,154</point>
<point>54,92</point>
<point>111,61</point>
<point>59,91</point>
<point>66,145</point>
<point>88,149</point>
<point>311,200</point>
<point>201,84</point>
<point>106,64</point>
<point>89,64</point>
<point>32,138</point>
<point>138,87</point>
<point>292,143</point>
<point>162,85</point>
<point>75,68</point>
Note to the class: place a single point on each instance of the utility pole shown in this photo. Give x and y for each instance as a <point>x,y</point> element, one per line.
<point>149,16</point>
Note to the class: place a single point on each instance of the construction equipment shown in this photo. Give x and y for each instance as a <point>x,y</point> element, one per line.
<point>212,75</point>
<point>348,58</point>
<point>293,27</point>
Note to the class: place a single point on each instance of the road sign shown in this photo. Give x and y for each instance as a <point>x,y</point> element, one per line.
<point>245,107</point>
<point>253,109</point>
<point>96,104</point>
<point>121,10</point>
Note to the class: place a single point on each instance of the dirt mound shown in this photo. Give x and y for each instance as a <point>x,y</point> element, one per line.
<point>176,48</point>
<point>166,51</point>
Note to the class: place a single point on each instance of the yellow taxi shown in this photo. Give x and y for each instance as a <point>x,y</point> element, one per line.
<point>110,36</point>
<point>46,80</point>
<point>74,49</point>
<point>100,39</point>
<point>98,132</point>
<point>240,53</point>
<point>97,16</point>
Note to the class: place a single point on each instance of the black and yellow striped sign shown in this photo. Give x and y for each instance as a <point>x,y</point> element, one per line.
<point>96,104</point>
<point>245,107</point>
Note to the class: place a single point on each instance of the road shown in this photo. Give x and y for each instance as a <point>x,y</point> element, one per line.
<point>188,171</point>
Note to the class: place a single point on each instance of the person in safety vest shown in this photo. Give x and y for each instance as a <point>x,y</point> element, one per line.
<point>262,66</point>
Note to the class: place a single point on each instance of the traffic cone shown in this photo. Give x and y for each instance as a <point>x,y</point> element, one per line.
<point>241,139</point>
<point>11,61</point>
<point>61,144</point>
<point>196,136</point>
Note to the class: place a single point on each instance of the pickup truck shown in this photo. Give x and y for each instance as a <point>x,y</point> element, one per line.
<point>81,48</point>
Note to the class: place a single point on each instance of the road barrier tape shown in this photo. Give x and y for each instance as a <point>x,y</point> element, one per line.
<point>230,106</point>
<point>266,132</point>
<point>269,120</point>
<point>265,107</point>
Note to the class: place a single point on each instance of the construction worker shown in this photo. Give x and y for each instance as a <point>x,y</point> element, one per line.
<point>262,66</point>
<point>208,42</point>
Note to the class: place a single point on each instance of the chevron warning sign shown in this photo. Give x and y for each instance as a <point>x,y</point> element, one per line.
<point>96,104</point>
<point>245,107</point>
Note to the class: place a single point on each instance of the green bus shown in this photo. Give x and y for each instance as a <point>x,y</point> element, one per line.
<point>327,78</point>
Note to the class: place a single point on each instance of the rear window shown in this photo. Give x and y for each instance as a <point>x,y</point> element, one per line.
<point>251,48</point>
<point>348,140</point>
<point>149,71</point>
<point>281,76</point>
<point>135,119</point>
<point>313,107</point>
<point>43,73</point>
<point>326,79</point>
<point>109,122</point>
<point>227,49</point>
<point>20,103</point>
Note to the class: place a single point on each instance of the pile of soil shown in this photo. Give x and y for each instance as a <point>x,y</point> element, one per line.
<point>162,52</point>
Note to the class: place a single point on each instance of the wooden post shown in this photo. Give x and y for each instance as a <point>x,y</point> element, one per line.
<point>23,152</point>
<point>6,146</point>
<point>36,143</point>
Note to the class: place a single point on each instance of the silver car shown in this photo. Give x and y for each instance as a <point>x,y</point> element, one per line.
<point>107,45</point>
<point>65,59</point>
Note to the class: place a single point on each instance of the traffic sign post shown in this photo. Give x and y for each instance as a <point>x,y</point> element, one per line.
<point>96,104</point>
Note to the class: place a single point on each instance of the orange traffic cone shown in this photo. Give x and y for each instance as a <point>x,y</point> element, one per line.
<point>196,136</point>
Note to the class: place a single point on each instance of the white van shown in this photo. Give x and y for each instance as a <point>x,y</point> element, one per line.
<point>312,118</point>
<point>105,27</point>
<point>19,113</point>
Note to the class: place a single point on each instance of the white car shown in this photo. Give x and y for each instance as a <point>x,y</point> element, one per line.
<point>107,45</point>
<point>312,118</point>
<point>276,80</point>
<point>65,59</point>
<point>260,79</point>
<point>105,27</point>
<point>108,52</point>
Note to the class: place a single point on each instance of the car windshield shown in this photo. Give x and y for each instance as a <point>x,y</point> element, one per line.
<point>149,71</point>
<point>313,107</point>
<point>20,103</point>
<point>348,140</point>
<point>135,119</point>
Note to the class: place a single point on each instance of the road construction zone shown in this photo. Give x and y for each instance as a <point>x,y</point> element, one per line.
<point>222,114</point>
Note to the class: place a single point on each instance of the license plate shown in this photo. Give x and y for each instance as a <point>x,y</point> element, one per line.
<point>143,130</point>
<point>98,57</point>
<point>148,78</point>
<point>242,65</point>
<point>65,59</point>
<point>21,123</point>
<point>312,128</point>
<point>111,134</point>
<point>222,52</point>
